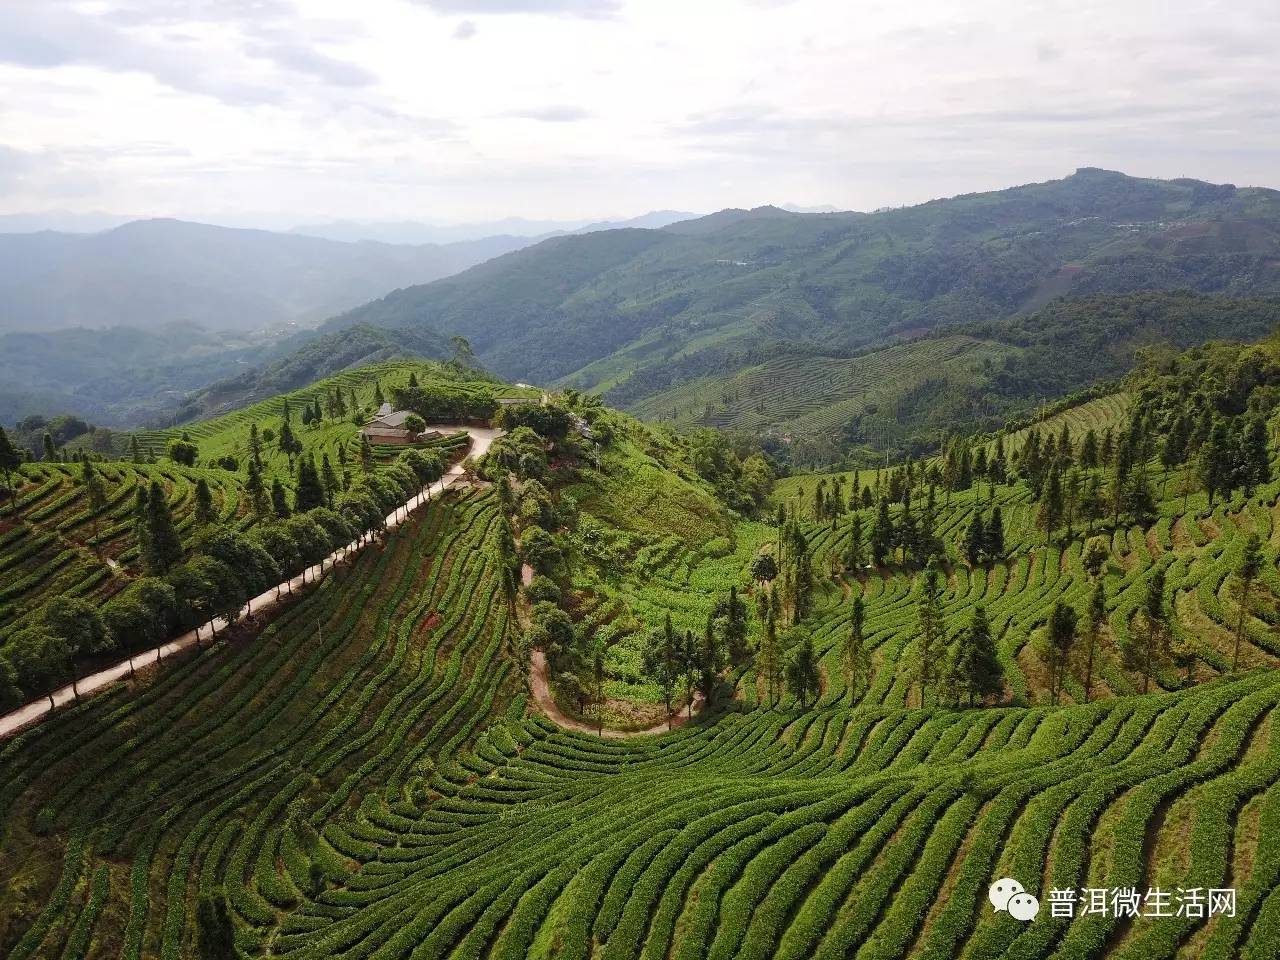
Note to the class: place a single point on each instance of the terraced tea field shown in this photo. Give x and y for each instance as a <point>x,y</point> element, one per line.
<point>807,395</point>
<point>364,778</point>
<point>362,781</point>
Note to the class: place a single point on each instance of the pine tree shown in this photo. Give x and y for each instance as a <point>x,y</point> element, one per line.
<point>735,626</point>
<point>1256,455</point>
<point>768,660</point>
<point>141,498</point>
<point>995,535</point>
<point>802,672</point>
<point>1094,623</point>
<point>882,534</point>
<point>9,462</point>
<point>256,490</point>
<point>1214,464</point>
<point>49,453</point>
<point>329,480</point>
<point>255,446</point>
<point>1062,638</point>
<point>708,660</point>
<point>975,540</point>
<point>287,443</point>
<point>97,498</point>
<point>308,493</point>
<point>204,503</point>
<point>974,671</point>
<point>366,454</point>
<point>1050,513</point>
<point>854,657</point>
<point>929,610</point>
<point>1089,449</point>
<point>855,554</point>
<point>163,548</point>
<point>689,660</point>
<point>1247,571</point>
<point>413,380</point>
<point>1156,619</point>
<point>279,499</point>
<point>661,664</point>
<point>135,452</point>
<point>378,399</point>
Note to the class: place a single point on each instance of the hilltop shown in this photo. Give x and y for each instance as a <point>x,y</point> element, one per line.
<point>633,313</point>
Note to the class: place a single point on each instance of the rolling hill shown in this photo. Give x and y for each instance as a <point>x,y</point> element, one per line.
<point>815,407</point>
<point>639,312</point>
<point>368,776</point>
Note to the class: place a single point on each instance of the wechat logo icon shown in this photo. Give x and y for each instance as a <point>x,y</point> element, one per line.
<point>1010,895</point>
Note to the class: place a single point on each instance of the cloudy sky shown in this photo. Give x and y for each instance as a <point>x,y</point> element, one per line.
<point>456,110</point>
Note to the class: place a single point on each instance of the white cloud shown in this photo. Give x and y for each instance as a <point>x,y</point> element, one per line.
<point>271,107</point>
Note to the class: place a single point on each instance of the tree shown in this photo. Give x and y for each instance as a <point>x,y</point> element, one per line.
<point>279,499</point>
<point>162,548</point>
<point>1214,464</point>
<point>309,492</point>
<point>215,937</point>
<point>366,454</point>
<point>802,672</point>
<point>929,610</point>
<point>764,568</point>
<point>77,624</point>
<point>855,659</point>
<point>204,503</point>
<point>708,661</point>
<point>256,490</point>
<point>1062,638</point>
<point>1095,556</point>
<point>97,497</point>
<point>255,445</point>
<point>9,462</point>
<point>881,534</point>
<point>689,650</point>
<point>855,553</point>
<point>975,669</point>
<point>183,451</point>
<point>37,655</point>
<point>329,480</point>
<point>734,612</point>
<point>1051,504</point>
<point>1094,622</point>
<point>1247,571</point>
<point>995,535</point>
<point>662,663</point>
<point>975,540</point>
<point>1155,617</point>
<point>597,683</point>
<point>414,424</point>
<point>49,452</point>
<point>768,660</point>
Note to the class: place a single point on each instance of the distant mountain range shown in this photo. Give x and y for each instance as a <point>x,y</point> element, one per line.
<point>742,318</point>
<point>150,273</point>
<point>534,230</point>
<point>635,313</point>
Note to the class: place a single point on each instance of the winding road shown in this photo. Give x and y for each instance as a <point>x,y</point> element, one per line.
<point>481,439</point>
<point>541,688</point>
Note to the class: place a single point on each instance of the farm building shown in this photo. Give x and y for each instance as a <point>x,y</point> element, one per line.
<point>388,426</point>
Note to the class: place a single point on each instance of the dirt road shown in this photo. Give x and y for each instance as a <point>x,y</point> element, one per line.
<point>547,704</point>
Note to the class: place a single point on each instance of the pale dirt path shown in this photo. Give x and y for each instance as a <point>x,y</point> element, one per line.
<point>547,704</point>
<point>481,438</point>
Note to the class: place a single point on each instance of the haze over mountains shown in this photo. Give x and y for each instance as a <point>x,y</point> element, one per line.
<point>675,321</point>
